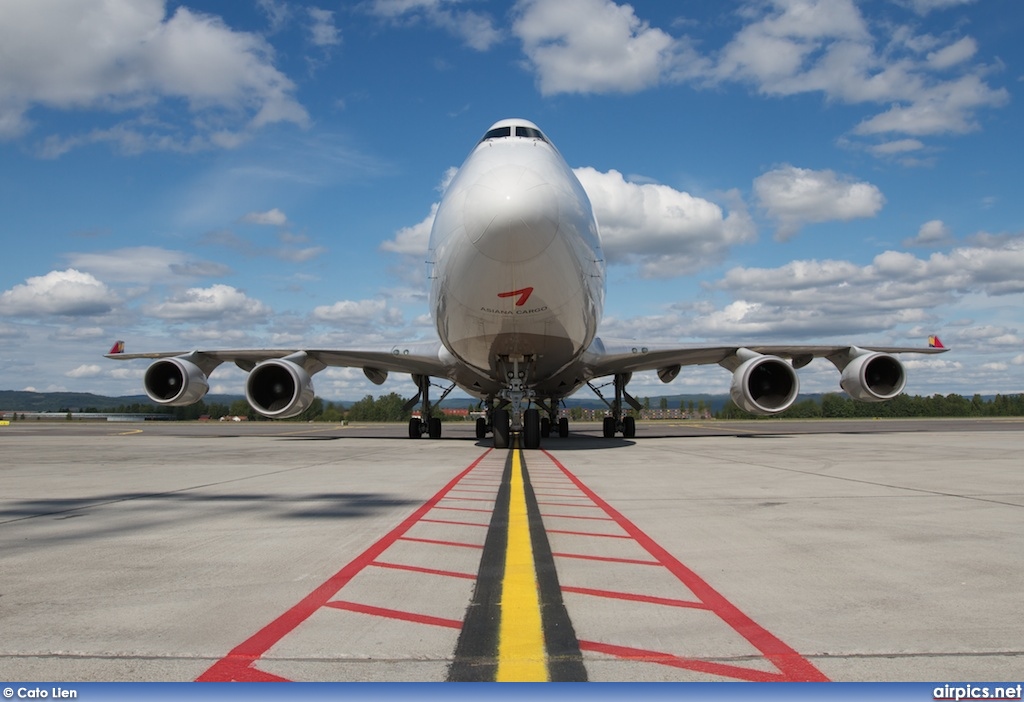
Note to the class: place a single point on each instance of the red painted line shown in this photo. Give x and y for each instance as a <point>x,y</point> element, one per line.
<point>428,571</point>
<point>465,509</point>
<point>586,533</point>
<point>568,504</point>
<point>605,559</point>
<point>634,597</point>
<point>456,523</point>
<point>485,492</point>
<point>468,499</point>
<point>572,516</point>
<point>710,667</point>
<point>232,666</point>
<point>395,614</point>
<point>792,665</point>
<point>438,542</point>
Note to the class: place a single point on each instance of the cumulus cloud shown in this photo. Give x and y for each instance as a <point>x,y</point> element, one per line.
<point>795,196</point>
<point>665,231</point>
<point>128,57</point>
<point>476,30</point>
<point>144,264</point>
<point>592,46</point>
<point>90,370</point>
<point>934,233</point>
<point>412,240</point>
<point>215,302</point>
<point>69,292</point>
<point>359,313</point>
<point>925,84</point>
<point>818,298</point>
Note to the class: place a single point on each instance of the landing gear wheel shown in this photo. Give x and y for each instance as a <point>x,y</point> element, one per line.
<point>563,427</point>
<point>629,427</point>
<point>481,428</point>
<point>609,427</point>
<point>434,427</point>
<point>545,427</point>
<point>415,428</point>
<point>500,420</point>
<point>531,429</point>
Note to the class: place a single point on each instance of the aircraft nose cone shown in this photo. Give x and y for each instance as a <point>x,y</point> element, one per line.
<point>511,214</point>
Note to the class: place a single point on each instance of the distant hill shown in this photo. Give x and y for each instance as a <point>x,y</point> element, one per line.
<point>22,401</point>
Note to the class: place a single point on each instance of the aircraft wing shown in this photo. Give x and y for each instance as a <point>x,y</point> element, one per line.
<point>611,357</point>
<point>424,358</point>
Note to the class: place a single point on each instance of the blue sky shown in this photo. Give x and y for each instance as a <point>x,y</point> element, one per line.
<point>205,174</point>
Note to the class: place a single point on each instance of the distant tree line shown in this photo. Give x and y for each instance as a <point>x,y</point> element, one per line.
<point>836,406</point>
<point>388,408</point>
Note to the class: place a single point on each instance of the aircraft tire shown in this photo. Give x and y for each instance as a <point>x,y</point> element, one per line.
<point>434,428</point>
<point>628,427</point>
<point>609,427</point>
<point>531,429</point>
<point>481,428</point>
<point>563,427</point>
<point>545,427</point>
<point>415,424</point>
<point>500,428</point>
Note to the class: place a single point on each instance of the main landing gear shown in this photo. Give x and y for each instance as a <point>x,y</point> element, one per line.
<point>427,423</point>
<point>617,423</point>
<point>516,410</point>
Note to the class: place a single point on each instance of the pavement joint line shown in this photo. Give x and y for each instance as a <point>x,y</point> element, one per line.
<point>439,542</point>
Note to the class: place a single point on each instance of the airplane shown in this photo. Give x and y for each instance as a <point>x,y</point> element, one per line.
<point>517,286</point>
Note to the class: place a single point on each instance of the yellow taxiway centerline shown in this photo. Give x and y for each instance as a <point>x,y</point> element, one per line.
<point>521,655</point>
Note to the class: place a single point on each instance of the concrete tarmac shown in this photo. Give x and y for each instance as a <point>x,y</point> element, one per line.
<point>762,550</point>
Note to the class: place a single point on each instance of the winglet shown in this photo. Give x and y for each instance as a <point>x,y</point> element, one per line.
<point>118,347</point>
<point>935,343</point>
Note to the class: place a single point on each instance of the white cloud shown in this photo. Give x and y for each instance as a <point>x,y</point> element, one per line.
<point>90,370</point>
<point>927,85</point>
<point>215,302</point>
<point>666,231</point>
<point>476,30</point>
<point>361,313</point>
<point>68,292</point>
<point>795,196</point>
<point>592,46</point>
<point>933,233</point>
<point>127,56</point>
<point>322,31</point>
<point>273,217</point>
<point>412,240</point>
<point>923,7</point>
<point>144,264</point>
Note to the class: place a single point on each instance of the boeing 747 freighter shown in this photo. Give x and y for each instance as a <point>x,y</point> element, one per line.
<point>517,291</point>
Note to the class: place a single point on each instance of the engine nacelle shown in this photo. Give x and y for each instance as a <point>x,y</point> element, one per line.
<point>873,377</point>
<point>279,389</point>
<point>764,385</point>
<point>175,382</point>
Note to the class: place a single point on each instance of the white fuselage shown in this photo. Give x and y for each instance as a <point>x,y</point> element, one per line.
<point>518,271</point>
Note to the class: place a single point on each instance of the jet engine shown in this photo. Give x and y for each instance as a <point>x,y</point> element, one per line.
<point>175,381</point>
<point>764,385</point>
<point>279,389</point>
<point>873,377</point>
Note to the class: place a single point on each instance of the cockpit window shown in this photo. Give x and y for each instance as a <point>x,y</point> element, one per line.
<point>529,133</point>
<point>497,132</point>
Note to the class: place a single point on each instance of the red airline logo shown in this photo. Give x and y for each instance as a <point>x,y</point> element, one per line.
<point>523,295</point>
